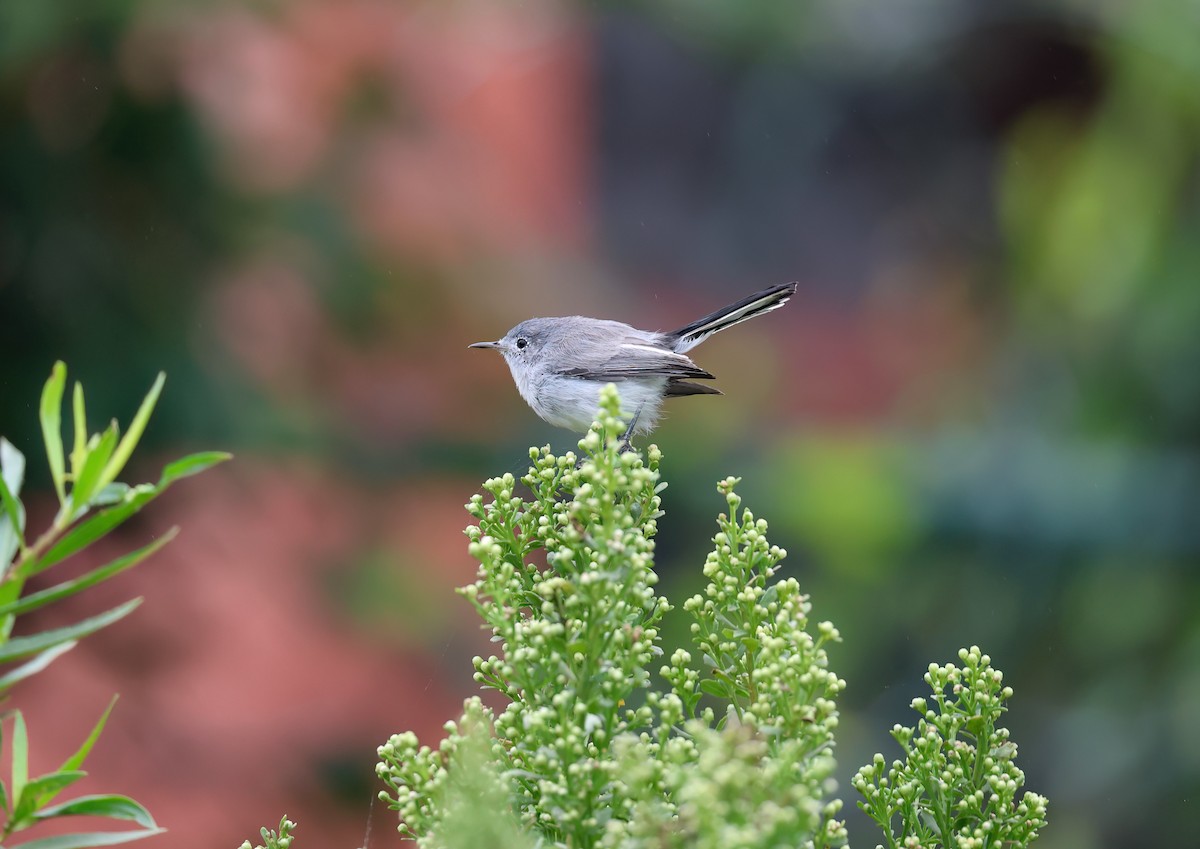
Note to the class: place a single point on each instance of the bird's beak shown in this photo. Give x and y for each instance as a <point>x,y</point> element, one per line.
<point>484,345</point>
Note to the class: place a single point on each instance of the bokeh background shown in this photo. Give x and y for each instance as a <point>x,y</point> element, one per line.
<point>976,423</point>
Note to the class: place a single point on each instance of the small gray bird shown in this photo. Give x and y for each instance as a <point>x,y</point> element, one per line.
<point>560,364</point>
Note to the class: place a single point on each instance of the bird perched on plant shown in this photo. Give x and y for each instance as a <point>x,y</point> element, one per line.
<point>560,364</point>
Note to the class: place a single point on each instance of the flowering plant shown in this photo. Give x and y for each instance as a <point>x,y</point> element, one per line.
<point>588,749</point>
<point>728,747</point>
<point>958,783</point>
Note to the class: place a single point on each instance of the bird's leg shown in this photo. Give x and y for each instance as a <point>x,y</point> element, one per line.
<point>625,443</point>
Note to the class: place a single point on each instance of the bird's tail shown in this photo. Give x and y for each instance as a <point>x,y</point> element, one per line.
<point>691,335</point>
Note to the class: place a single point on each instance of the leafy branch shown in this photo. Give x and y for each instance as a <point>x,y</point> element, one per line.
<point>92,503</point>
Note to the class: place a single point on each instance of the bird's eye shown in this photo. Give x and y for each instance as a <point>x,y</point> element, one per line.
<point>522,342</point>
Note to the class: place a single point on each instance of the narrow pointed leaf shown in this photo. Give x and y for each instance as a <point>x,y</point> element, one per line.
<point>12,526</point>
<point>19,647</point>
<point>40,791</point>
<point>34,666</point>
<point>12,466</point>
<point>20,758</point>
<point>94,462</point>
<point>190,465</point>
<point>6,626</point>
<point>41,598</point>
<point>79,416</point>
<point>129,441</point>
<point>12,519</point>
<point>76,760</point>
<point>51,418</point>
<point>111,806</point>
<point>89,840</point>
<point>10,590</point>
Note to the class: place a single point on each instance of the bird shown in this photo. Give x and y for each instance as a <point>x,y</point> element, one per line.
<point>560,364</point>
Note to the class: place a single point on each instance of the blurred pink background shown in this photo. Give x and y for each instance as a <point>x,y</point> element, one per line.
<point>977,422</point>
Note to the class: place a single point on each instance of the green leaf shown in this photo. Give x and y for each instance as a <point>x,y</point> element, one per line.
<point>87,532</point>
<point>111,806</point>
<point>6,626</point>
<point>715,688</point>
<point>12,467</point>
<point>79,453</point>
<point>111,494</point>
<point>87,840</point>
<point>39,662</point>
<point>19,647</point>
<point>41,598</point>
<point>76,760</point>
<point>190,465</point>
<point>12,520</point>
<point>94,461</point>
<point>38,792</point>
<point>51,417</point>
<point>20,758</point>
<point>10,590</point>
<point>121,456</point>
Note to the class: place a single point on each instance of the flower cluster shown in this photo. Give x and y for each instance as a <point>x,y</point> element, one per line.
<point>281,839</point>
<point>737,787</point>
<point>773,677</point>
<point>588,751</point>
<point>957,786</point>
<point>753,634</point>
<point>453,796</point>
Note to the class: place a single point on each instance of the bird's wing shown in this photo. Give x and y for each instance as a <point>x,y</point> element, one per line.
<point>633,358</point>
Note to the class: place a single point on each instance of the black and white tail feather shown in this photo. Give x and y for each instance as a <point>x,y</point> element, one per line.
<point>760,303</point>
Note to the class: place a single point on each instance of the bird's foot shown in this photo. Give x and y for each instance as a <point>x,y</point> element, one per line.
<point>627,437</point>
<point>626,443</point>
